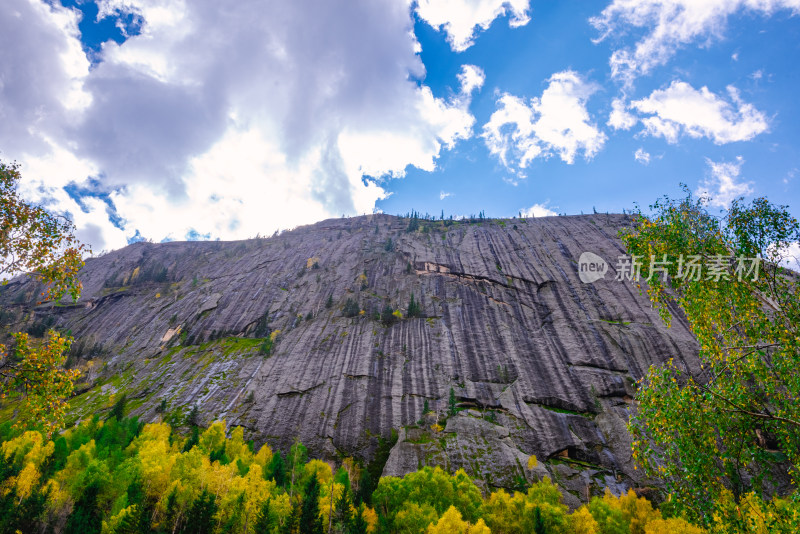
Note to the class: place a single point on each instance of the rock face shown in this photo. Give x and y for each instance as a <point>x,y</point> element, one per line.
<point>255,332</point>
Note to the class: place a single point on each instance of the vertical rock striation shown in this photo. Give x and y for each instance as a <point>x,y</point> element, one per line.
<point>254,332</point>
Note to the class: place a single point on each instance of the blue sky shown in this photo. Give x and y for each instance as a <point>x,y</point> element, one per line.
<point>173,120</point>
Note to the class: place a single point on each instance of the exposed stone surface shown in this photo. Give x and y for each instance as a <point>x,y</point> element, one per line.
<point>545,364</point>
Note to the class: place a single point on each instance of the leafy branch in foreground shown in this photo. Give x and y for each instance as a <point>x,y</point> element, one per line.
<point>42,245</point>
<point>35,373</point>
<point>36,242</point>
<point>725,435</point>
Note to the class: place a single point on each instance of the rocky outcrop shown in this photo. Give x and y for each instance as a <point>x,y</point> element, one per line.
<point>254,332</point>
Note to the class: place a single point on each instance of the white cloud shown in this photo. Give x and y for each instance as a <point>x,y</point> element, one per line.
<point>462,19</point>
<point>620,118</point>
<point>221,121</point>
<point>641,156</point>
<point>680,108</point>
<point>436,123</point>
<point>471,78</point>
<point>40,94</point>
<point>791,256</point>
<point>557,123</point>
<point>669,25</point>
<point>722,185</point>
<point>443,195</point>
<point>538,210</point>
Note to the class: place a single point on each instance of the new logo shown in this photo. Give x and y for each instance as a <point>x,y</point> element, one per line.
<point>591,267</point>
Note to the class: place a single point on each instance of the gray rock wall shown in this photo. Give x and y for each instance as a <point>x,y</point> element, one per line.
<point>540,362</point>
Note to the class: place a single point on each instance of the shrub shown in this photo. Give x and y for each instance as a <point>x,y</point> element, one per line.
<point>414,309</point>
<point>351,308</point>
<point>387,315</point>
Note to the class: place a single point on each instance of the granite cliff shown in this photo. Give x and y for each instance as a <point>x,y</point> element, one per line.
<point>261,334</point>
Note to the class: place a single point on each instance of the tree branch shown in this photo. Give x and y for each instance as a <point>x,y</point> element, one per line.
<point>741,410</point>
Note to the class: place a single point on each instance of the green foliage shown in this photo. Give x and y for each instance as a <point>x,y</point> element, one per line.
<point>414,309</point>
<point>155,273</point>
<point>425,409</point>
<point>199,519</point>
<point>727,429</point>
<point>262,328</point>
<point>329,302</point>
<point>429,487</point>
<point>310,521</point>
<point>372,474</point>
<point>21,514</point>
<point>413,223</point>
<point>194,439</point>
<point>451,403</point>
<point>193,419</point>
<point>265,347</point>
<point>609,518</point>
<point>342,513</point>
<point>39,328</point>
<point>276,470</point>
<point>35,241</point>
<point>85,517</point>
<point>351,308</point>
<point>359,524</point>
<point>295,460</point>
<point>540,508</point>
<point>264,521</point>
<point>389,245</point>
<point>121,477</point>
<point>118,410</point>
<point>388,316</point>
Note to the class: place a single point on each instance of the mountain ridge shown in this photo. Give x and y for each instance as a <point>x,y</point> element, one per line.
<point>256,332</point>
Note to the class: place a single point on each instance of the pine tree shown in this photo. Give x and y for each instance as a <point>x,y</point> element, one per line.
<point>387,315</point>
<point>351,308</point>
<point>329,302</point>
<point>263,524</point>
<point>193,419</point>
<point>168,524</point>
<point>414,309</point>
<point>199,520</point>
<point>413,224</point>
<point>235,519</point>
<point>139,521</point>
<point>135,491</point>
<point>310,522</point>
<point>22,516</point>
<point>193,440</point>
<point>343,516</point>
<point>277,470</point>
<point>130,522</point>
<point>290,525</point>
<point>85,517</point>
<point>364,493</point>
<point>60,454</point>
<point>118,410</point>
<point>451,403</point>
<point>343,478</point>
<point>359,523</point>
<point>297,459</point>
